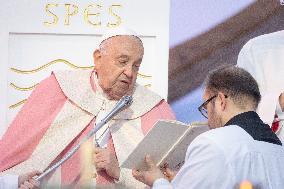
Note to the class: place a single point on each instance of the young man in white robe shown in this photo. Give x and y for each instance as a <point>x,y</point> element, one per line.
<point>238,147</point>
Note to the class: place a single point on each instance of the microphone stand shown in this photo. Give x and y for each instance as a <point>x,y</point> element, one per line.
<point>121,104</point>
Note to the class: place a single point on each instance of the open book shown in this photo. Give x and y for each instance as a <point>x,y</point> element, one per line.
<point>166,142</point>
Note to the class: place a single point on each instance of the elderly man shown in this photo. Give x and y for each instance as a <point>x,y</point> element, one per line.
<point>68,104</point>
<point>263,57</point>
<point>238,147</point>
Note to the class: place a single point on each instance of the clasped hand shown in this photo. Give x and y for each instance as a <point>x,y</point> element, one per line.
<point>26,181</point>
<point>106,160</point>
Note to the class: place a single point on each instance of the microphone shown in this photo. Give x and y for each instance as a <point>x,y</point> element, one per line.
<point>121,104</point>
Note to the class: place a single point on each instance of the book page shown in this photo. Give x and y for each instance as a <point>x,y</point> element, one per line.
<point>158,141</point>
<point>175,157</point>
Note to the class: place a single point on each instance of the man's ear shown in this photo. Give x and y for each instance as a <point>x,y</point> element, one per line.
<point>223,101</point>
<point>281,101</point>
<point>97,56</point>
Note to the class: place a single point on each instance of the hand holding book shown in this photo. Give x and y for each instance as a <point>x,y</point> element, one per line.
<point>166,142</point>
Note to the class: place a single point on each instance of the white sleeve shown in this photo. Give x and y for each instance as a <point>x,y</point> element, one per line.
<point>204,165</point>
<point>162,184</point>
<point>9,182</point>
<point>253,59</point>
<point>249,59</point>
<point>246,58</point>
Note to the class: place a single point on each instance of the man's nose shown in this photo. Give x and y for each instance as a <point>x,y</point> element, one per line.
<point>128,71</point>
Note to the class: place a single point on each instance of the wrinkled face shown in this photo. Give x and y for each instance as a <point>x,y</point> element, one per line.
<point>214,119</point>
<point>117,64</point>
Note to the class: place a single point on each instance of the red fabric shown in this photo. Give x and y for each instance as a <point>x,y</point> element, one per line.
<point>160,111</point>
<point>30,124</point>
<point>70,170</point>
<point>275,124</point>
<point>103,177</point>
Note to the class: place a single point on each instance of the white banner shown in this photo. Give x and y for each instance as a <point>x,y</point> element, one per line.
<point>37,37</point>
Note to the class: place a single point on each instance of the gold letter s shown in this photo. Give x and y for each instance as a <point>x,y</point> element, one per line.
<point>118,19</point>
<point>55,18</point>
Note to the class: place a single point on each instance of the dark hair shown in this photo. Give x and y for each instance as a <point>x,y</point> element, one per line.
<point>235,82</point>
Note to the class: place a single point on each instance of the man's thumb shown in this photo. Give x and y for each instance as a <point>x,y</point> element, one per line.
<point>150,163</point>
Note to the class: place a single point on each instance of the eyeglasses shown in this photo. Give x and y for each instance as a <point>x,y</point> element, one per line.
<point>203,109</point>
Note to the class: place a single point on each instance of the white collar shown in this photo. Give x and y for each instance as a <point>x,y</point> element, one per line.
<point>76,85</point>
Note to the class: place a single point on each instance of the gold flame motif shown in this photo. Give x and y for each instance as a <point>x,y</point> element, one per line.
<point>66,62</point>
<point>144,76</point>
<point>17,104</point>
<point>23,88</point>
<point>49,64</point>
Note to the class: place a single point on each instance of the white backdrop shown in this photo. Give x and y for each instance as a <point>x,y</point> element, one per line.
<point>37,37</point>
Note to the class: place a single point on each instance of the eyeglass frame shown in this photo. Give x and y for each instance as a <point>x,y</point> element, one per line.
<point>204,104</point>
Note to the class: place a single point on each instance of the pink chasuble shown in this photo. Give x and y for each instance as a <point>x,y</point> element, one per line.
<point>31,123</point>
<point>33,120</point>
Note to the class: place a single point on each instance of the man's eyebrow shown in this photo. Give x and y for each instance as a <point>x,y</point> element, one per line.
<point>123,56</point>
